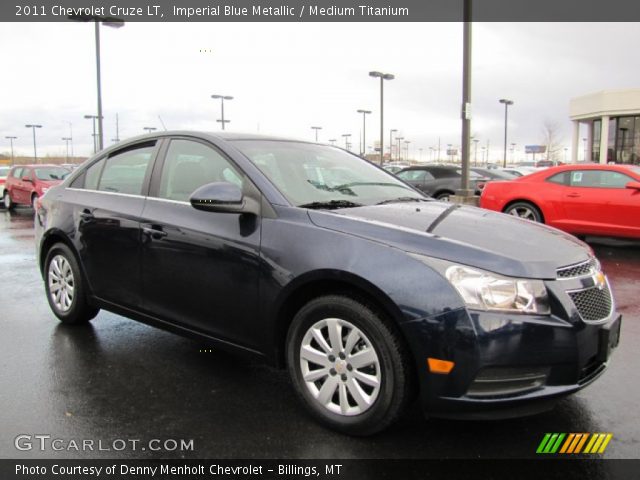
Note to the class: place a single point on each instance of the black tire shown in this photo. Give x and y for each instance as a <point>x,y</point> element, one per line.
<point>525,210</point>
<point>443,196</point>
<point>6,201</point>
<point>77,310</point>
<point>395,386</point>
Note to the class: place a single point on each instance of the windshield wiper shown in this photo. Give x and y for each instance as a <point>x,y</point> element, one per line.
<point>331,204</point>
<point>368,184</point>
<point>403,199</point>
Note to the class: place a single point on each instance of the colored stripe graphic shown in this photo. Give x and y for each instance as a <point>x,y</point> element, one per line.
<point>574,443</point>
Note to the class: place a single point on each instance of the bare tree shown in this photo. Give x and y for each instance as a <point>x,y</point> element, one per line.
<point>552,139</point>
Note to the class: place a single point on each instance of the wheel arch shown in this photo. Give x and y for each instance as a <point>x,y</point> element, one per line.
<point>49,239</point>
<point>327,282</point>
<point>525,200</point>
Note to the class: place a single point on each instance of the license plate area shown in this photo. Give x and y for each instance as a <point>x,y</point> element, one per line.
<point>609,339</point>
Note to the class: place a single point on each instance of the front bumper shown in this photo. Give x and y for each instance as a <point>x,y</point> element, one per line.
<point>507,365</point>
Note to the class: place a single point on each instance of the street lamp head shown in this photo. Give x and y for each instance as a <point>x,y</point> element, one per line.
<point>364,111</point>
<point>317,128</point>
<point>388,76</point>
<point>113,22</point>
<point>11,138</point>
<point>66,139</point>
<point>33,126</point>
<point>506,101</point>
<point>394,130</point>
<point>376,74</point>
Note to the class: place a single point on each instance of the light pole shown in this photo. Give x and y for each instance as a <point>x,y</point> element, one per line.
<point>107,22</point>
<point>584,149</point>
<point>406,146</point>
<point>95,143</point>
<point>364,131</point>
<point>506,103</point>
<point>316,129</point>
<point>67,140</point>
<point>11,139</point>
<point>346,140</point>
<point>149,129</point>
<point>332,141</point>
<point>222,99</point>
<point>399,139</point>
<point>382,77</point>
<point>35,152</point>
<point>420,155</point>
<point>391,132</point>
<point>565,154</point>
<point>475,152</point>
<point>513,151</point>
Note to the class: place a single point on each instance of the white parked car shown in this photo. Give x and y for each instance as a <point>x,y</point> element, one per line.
<point>4,171</point>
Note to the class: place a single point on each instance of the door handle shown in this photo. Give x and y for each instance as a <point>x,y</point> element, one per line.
<point>154,233</point>
<point>573,195</point>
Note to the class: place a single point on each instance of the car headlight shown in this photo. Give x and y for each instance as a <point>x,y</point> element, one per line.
<point>484,290</point>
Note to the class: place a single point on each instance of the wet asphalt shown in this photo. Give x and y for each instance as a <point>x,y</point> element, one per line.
<point>118,379</point>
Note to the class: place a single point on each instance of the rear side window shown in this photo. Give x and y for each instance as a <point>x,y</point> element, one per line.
<point>124,172</point>
<point>415,175</point>
<point>559,178</point>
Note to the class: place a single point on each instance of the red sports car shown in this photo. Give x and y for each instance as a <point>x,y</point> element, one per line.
<point>579,199</point>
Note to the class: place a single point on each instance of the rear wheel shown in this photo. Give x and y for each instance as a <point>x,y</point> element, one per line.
<point>444,196</point>
<point>348,366</point>
<point>525,210</point>
<point>65,286</point>
<point>7,202</point>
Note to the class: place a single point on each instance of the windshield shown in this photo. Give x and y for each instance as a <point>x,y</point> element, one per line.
<point>51,173</point>
<point>317,175</point>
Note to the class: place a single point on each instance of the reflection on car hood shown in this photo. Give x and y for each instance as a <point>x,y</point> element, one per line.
<point>463,234</point>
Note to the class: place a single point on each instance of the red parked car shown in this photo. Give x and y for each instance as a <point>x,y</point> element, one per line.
<point>579,199</point>
<point>26,183</point>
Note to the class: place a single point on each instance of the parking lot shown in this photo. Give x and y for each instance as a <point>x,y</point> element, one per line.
<point>118,379</point>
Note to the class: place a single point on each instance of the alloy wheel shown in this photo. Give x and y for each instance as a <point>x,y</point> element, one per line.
<point>61,283</point>
<point>340,367</point>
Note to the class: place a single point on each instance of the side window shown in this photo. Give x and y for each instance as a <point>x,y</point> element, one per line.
<point>17,173</point>
<point>92,175</point>
<point>611,179</point>
<point>189,165</point>
<point>559,178</point>
<point>599,179</point>
<point>124,172</point>
<point>414,175</point>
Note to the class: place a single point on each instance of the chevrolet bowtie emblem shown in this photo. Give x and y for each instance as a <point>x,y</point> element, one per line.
<point>599,280</point>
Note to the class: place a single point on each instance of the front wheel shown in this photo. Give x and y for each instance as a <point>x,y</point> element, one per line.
<point>348,366</point>
<point>444,196</point>
<point>6,200</point>
<point>65,287</point>
<point>525,210</point>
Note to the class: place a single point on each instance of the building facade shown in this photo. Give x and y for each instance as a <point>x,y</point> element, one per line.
<point>612,118</point>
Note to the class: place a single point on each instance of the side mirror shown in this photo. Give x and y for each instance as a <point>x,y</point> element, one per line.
<point>222,197</point>
<point>633,185</point>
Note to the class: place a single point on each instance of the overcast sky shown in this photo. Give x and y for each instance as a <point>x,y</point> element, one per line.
<point>287,77</point>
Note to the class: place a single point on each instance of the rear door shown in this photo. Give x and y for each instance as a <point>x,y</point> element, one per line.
<point>417,178</point>
<point>200,269</point>
<point>108,200</point>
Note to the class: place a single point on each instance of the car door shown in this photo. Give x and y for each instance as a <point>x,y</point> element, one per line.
<point>108,199</point>
<point>597,202</point>
<point>199,268</point>
<point>20,192</point>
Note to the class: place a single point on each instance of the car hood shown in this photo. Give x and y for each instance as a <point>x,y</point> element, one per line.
<point>463,234</point>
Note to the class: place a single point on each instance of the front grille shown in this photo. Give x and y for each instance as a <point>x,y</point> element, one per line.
<point>579,270</point>
<point>593,304</point>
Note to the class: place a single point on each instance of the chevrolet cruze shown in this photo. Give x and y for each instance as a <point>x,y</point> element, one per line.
<point>320,262</point>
